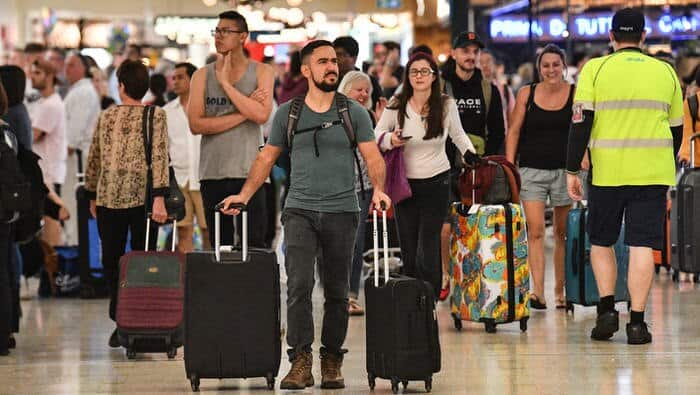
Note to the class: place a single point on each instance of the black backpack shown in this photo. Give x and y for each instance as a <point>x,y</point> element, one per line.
<point>341,102</point>
<point>29,223</point>
<point>14,188</point>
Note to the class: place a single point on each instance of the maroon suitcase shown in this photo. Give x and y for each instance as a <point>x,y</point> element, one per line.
<point>150,302</point>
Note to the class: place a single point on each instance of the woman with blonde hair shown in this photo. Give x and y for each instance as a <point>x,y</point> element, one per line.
<point>357,86</point>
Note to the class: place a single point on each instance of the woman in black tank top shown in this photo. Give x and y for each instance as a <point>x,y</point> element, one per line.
<point>537,138</point>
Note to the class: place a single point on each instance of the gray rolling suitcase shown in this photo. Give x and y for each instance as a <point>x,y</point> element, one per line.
<point>685,213</point>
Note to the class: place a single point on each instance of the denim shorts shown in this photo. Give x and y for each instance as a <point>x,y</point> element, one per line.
<point>537,184</point>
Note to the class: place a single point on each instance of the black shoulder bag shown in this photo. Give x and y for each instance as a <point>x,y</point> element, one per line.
<point>175,200</point>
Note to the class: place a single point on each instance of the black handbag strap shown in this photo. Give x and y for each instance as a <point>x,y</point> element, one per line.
<point>147,130</point>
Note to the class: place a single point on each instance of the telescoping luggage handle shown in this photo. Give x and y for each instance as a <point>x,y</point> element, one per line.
<point>692,149</point>
<point>385,242</point>
<point>217,231</point>
<point>148,232</point>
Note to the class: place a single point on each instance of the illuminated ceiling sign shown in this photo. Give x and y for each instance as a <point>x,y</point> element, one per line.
<point>590,26</point>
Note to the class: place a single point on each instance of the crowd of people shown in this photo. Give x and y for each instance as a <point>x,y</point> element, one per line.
<point>226,126</point>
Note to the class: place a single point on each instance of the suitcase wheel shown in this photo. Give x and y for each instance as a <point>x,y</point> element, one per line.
<point>270,381</point>
<point>458,322</point>
<point>172,353</point>
<point>130,353</point>
<point>523,324</point>
<point>490,326</point>
<point>372,381</point>
<point>194,381</point>
<point>394,385</point>
<point>569,307</point>
<point>429,384</point>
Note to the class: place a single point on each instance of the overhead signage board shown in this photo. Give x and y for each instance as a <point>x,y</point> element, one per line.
<point>589,26</point>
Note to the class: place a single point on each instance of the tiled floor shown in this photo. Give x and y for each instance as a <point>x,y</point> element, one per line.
<point>63,349</point>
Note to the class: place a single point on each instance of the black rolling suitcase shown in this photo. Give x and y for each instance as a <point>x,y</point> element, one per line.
<point>401,323</point>
<point>685,208</point>
<point>93,283</point>
<point>232,312</point>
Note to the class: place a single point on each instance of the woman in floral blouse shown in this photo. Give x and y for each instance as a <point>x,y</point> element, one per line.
<point>117,174</point>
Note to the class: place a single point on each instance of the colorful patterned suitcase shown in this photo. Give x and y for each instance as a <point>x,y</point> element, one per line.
<point>488,266</point>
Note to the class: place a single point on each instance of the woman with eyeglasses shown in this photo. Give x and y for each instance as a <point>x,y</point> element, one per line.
<point>419,120</point>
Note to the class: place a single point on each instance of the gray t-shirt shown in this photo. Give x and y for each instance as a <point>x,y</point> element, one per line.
<point>325,183</point>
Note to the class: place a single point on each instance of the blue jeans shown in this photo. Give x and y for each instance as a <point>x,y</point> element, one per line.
<point>331,236</point>
<point>357,262</point>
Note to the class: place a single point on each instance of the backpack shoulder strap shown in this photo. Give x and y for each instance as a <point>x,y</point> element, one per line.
<point>693,107</point>
<point>487,90</point>
<point>293,118</point>
<point>341,103</point>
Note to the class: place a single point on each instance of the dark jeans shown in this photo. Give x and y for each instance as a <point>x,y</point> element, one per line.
<point>419,222</point>
<point>6,300</point>
<point>114,226</point>
<point>357,262</point>
<point>309,234</point>
<point>214,191</point>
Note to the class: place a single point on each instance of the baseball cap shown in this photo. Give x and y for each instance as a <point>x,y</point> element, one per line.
<point>628,20</point>
<point>467,38</point>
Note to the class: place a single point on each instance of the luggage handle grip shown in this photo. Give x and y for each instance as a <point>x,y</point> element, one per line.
<point>217,231</point>
<point>385,242</point>
<point>148,232</point>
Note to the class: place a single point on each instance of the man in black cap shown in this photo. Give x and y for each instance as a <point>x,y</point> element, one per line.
<point>480,110</point>
<point>633,143</point>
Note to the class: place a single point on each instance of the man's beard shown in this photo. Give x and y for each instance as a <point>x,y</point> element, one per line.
<point>326,87</point>
<point>467,70</point>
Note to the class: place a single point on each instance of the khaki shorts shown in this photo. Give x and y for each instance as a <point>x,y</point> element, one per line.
<point>537,184</point>
<point>193,207</point>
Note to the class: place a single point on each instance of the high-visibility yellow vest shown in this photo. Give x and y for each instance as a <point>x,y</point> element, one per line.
<point>636,99</point>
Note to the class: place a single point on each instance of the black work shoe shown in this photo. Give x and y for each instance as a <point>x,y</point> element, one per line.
<point>637,333</point>
<point>114,340</point>
<point>606,325</point>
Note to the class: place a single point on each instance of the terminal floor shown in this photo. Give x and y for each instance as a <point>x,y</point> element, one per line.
<point>62,349</point>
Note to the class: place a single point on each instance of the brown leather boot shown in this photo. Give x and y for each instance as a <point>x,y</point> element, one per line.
<point>299,376</point>
<point>331,378</point>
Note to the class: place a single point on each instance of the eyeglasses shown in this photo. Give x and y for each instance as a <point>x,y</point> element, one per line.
<point>224,32</point>
<point>423,72</point>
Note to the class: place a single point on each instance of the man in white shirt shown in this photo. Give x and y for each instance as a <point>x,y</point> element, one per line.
<point>49,126</point>
<point>184,156</point>
<point>82,105</point>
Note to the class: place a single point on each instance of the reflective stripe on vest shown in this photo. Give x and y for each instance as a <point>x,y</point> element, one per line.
<point>631,143</point>
<point>632,104</point>
<point>673,122</point>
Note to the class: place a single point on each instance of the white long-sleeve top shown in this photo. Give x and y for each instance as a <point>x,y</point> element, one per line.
<point>424,158</point>
<point>82,110</point>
